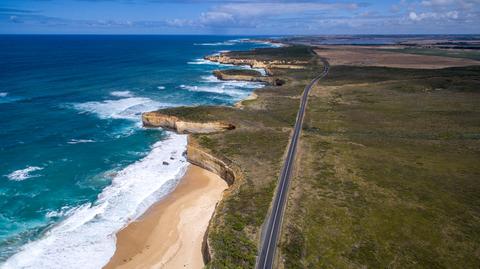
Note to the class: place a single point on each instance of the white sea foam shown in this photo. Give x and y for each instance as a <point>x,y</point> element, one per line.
<point>220,89</point>
<point>226,43</point>
<point>23,174</point>
<point>80,141</point>
<point>262,71</point>
<point>242,84</point>
<point>203,61</point>
<point>207,62</point>
<point>62,212</point>
<point>231,83</point>
<point>86,238</point>
<point>200,61</point>
<point>121,93</point>
<point>210,78</point>
<point>235,89</point>
<point>270,44</point>
<point>5,97</point>
<point>161,87</point>
<point>241,40</point>
<point>125,108</point>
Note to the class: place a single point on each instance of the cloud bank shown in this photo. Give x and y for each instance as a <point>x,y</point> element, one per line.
<point>249,17</point>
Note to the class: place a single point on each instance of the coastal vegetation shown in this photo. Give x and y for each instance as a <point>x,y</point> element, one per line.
<point>256,146</point>
<point>455,53</point>
<point>386,171</point>
<point>240,72</point>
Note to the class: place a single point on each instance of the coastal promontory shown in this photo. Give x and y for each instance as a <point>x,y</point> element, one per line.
<point>182,126</point>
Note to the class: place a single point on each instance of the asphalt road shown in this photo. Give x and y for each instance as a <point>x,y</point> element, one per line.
<point>271,232</point>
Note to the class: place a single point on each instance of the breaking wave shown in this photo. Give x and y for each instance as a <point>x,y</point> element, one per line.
<point>86,237</point>
<point>23,174</point>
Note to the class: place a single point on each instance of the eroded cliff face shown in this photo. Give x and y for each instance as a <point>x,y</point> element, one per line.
<point>227,170</point>
<point>221,58</point>
<point>225,59</point>
<point>201,157</point>
<point>157,119</point>
<point>264,79</point>
<point>223,76</point>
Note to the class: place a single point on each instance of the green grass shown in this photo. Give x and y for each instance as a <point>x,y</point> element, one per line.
<point>454,53</point>
<point>241,72</point>
<point>290,53</point>
<point>256,146</point>
<point>388,172</point>
<point>197,113</point>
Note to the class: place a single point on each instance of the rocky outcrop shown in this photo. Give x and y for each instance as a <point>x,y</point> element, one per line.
<point>222,167</point>
<point>200,156</point>
<point>221,58</point>
<point>222,75</point>
<point>157,119</point>
<point>287,66</point>
<point>251,97</point>
<point>267,65</point>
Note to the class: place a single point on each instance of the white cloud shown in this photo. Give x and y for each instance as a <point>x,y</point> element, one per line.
<point>438,2</point>
<point>453,15</point>
<point>270,9</point>
<point>216,18</point>
<point>251,14</point>
<point>179,22</point>
<point>413,16</point>
<point>443,4</point>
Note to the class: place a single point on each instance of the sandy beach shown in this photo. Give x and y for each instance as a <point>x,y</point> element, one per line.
<point>170,234</point>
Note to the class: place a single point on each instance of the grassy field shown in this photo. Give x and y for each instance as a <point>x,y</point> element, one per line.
<point>388,172</point>
<point>241,72</point>
<point>292,53</point>
<point>455,53</point>
<point>386,176</point>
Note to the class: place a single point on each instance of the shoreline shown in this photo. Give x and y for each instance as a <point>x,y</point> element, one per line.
<point>173,228</point>
<point>139,244</point>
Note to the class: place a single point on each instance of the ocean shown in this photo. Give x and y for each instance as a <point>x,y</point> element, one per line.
<point>75,163</point>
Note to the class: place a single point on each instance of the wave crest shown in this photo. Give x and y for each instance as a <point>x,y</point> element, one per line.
<point>126,108</point>
<point>86,238</point>
<point>23,174</point>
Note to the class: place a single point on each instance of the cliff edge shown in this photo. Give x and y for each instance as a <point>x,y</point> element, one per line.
<point>247,75</point>
<point>157,119</point>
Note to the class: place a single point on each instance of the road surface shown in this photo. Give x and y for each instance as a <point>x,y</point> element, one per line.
<point>271,232</point>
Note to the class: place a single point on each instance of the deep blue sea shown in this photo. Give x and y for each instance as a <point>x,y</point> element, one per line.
<point>75,163</point>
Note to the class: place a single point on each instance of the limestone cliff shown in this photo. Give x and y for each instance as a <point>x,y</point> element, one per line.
<point>201,157</point>
<point>221,58</point>
<point>156,119</point>
<point>267,65</point>
<point>224,75</point>
<point>223,167</point>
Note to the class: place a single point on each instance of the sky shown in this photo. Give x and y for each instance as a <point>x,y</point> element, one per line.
<point>239,17</point>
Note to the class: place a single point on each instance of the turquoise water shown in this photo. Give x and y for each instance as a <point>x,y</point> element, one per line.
<point>75,163</point>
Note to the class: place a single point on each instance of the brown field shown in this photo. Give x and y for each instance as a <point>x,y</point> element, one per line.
<point>366,56</point>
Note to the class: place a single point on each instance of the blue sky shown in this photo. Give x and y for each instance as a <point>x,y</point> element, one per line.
<point>239,17</point>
